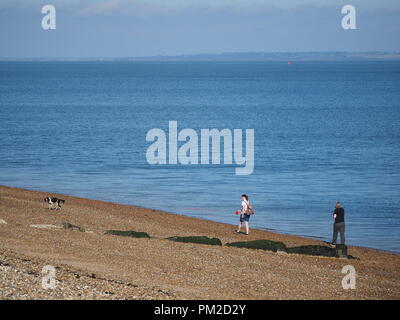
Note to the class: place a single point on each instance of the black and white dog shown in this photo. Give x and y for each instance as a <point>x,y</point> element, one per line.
<point>52,201</point>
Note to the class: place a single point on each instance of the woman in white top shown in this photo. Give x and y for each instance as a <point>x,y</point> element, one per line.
<point>244,216</point>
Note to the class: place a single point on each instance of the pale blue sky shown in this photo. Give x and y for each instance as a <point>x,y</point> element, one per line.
<point>126,28</point>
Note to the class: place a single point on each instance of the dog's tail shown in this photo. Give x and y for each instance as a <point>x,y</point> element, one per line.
<point>62,201</point>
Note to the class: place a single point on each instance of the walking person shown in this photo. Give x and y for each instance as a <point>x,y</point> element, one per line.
<point>244,214</point>
<point>338,225</point>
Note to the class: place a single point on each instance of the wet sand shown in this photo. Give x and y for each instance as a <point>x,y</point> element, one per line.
<point>92,265</point>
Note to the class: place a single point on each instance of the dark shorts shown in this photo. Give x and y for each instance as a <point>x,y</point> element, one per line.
<point>244,217</point>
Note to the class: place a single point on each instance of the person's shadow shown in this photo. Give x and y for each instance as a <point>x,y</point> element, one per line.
<point>240,232</point>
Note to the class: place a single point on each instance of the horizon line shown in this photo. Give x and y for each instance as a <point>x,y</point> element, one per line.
<point>234,56</point>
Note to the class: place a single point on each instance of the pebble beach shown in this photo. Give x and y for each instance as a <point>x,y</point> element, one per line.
<point>90,264</point>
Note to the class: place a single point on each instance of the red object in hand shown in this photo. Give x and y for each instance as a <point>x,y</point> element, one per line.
<point>237,212</point>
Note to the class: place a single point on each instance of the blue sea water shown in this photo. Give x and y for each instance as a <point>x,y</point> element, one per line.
<point>323,132</point>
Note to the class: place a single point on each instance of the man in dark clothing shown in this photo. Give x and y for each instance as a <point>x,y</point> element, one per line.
<point>338,225</point>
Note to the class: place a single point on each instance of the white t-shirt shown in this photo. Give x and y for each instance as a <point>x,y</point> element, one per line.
<point>244,207</point>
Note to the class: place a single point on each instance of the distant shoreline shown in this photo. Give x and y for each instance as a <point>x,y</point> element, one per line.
<point>339,56</point>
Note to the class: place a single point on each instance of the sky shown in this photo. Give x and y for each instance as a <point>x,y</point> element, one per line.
<point>135,28</point>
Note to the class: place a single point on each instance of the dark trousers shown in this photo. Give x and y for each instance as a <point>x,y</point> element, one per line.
<point>338,227</point>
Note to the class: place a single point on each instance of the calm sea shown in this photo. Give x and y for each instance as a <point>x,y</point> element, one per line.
<point>323,132</point>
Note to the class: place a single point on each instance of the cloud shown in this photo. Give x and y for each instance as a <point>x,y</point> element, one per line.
<point>134,8</point>
<point>88,28</point>
<point>168,8</point>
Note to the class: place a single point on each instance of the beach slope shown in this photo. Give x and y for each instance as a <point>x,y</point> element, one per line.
<point>90,264</point>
